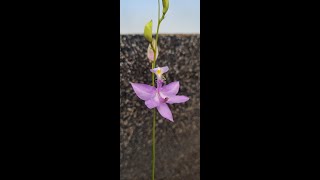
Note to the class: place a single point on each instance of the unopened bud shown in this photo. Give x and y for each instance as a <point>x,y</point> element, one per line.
<point>150,52</point>
<point>148,31</point>
<point>165,5</point>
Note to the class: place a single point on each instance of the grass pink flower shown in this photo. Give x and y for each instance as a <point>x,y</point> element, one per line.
<point>159,71</point>
<point>159,97</point>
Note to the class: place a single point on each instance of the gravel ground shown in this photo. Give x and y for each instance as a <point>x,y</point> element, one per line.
<point>177,143</point>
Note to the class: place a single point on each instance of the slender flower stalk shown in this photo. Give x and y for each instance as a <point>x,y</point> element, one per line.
<point>154,110</point>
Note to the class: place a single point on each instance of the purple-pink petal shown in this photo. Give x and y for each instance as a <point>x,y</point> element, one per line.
<point>165,111</point>
<point>153,70</point>
<point>164,69</point>
<point>144,91</point>
<point>170,89</point>
<point>153,102</point>
<point>177,99</point>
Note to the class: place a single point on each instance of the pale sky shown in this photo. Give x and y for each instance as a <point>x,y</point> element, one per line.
<point>183,16</point>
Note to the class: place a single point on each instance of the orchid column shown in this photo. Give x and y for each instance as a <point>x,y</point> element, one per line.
<point>157,97</point>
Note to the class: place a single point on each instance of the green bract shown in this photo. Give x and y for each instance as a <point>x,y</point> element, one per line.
<point>148,31</point>
<point>165,5</point>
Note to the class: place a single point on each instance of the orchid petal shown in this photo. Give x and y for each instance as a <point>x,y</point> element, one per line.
<point>144,91</point>
<point>177,99</point>
<point>164,69</point>
<point>153,102</point>
<point>165,111</point>
<point>170,89</point>
<point>154,70</point>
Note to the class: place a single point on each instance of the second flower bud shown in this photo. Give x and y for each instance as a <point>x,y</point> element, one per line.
<point>150,52</point>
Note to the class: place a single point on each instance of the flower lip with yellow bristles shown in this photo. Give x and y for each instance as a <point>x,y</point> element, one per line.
<point>159,71</point>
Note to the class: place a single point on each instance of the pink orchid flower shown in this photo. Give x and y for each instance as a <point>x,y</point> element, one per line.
<point>159,71</point>
<point>159,97</point>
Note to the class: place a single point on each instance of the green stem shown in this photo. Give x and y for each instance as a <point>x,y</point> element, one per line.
<point>157,35</point>
<point>158,22</point>
<point>153,64</point>
<point>153,143</point>
<point>154,110</point>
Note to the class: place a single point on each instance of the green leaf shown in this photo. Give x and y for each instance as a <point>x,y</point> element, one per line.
<point>148,31</point>
<point>165,5</point>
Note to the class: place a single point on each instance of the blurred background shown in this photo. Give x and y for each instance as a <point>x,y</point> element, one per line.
<point>183,16</point>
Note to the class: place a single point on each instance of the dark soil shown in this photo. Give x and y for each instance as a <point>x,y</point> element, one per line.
<point>177,143</point>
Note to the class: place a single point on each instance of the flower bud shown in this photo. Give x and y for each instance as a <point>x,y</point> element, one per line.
<point>165,5</point>
<point>148,31</point>
<point>150,52</point>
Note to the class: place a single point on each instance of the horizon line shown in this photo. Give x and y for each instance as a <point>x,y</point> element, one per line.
<point>159,33</point>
